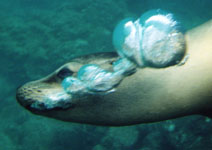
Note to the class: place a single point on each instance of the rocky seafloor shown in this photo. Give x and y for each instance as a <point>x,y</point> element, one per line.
<point>37,36</point>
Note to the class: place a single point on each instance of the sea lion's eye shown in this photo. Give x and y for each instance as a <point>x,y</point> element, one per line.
<point>64,72</point>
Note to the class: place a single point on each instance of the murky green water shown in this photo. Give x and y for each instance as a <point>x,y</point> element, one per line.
<point>37,36</point>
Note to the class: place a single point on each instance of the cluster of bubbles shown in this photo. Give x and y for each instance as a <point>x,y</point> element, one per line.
<point>153,40</point>
<point>92,79</point>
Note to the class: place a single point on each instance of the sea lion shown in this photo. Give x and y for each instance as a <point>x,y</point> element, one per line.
<point>149,95</point>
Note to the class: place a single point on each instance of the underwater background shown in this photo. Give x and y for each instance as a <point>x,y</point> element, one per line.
<point>38,36</point>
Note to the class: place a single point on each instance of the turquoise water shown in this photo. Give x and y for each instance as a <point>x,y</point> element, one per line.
<point>38,36</point>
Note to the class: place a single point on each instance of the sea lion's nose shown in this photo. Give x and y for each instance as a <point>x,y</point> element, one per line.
<point>20,95</point>
<point>23,96</point>
<point>43,96</point>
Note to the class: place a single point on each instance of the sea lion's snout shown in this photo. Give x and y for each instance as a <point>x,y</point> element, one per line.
<point>24,95</point>
<point>47,93</point>
<point>42,96</point>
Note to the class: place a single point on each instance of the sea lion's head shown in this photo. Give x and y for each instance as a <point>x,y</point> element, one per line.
<point>47,96</point>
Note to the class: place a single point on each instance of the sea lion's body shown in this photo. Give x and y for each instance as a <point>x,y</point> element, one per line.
<point>149,95</point>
